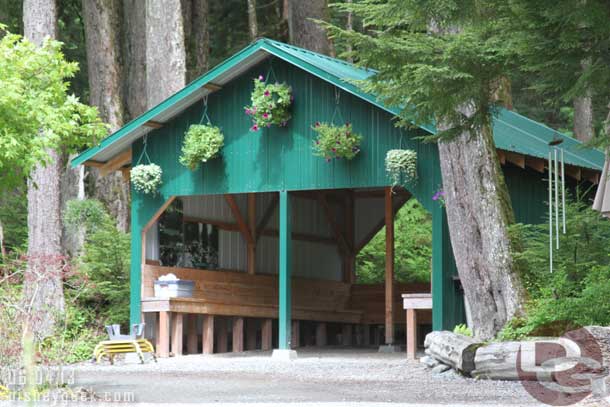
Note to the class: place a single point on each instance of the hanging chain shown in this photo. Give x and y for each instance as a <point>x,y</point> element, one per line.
<point>270,72</point>
<point>337,110</point>
<point>144,153</point>
<point>204,115</point>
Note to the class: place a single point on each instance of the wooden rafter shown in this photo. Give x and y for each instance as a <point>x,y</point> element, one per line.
<point>243,226</point>
<point>516,159</point>
<point>337,233</point>
<point>398,203</point>
<point>153,124</point>
<point>212,87</point>
<point>537,164</point>
<point>116,163</point>
<point>267,215</point>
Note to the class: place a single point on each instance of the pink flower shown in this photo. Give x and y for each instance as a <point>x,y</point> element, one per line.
<point>317,124</point>
<point>267,93</point>
<point>338,142</point>
<point>334,150</point>
<point>261,78</point>
<point>317,141</point>
<point>248,111</point>
<point>254,127</point>
<point>266,115</point>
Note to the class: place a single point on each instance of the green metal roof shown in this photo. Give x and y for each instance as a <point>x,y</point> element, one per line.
<point>512,132</point>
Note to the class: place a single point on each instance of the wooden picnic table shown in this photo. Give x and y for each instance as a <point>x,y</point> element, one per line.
<point>412,303</point>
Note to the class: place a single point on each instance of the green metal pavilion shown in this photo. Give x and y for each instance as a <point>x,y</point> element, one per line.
<point>280,161</point>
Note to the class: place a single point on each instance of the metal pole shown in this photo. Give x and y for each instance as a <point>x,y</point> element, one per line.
<point>563,193</point>
<point>556,202</point>
<point>550,213</point>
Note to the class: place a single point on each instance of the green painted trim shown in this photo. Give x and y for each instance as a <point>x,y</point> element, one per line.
<point>285,305</point>
<point>175,98</point>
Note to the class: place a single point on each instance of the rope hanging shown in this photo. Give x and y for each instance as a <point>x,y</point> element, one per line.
<point>144,153</point>
<point>337,110</point>
<point>204,115</point>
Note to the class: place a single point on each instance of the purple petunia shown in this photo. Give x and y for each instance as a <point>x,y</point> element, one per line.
<point>438,195</point>
<point>267,93</point>
<point>266,115</point>
<point>248,111</point>
<point>261,78</point>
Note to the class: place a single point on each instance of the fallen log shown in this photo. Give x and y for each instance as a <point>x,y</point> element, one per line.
<point>498,361</point>
<point>457,351</point>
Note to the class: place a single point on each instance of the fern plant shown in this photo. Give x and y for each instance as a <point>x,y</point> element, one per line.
<point>201,143</point>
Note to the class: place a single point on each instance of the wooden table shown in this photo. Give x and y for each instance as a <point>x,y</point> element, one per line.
<point>411,303</point>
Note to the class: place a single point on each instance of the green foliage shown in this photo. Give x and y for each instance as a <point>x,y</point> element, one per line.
<point>85,213</point>
<point>201,143</point>
<point>413,248</point>
<point>146,178</point>
<point>13,217</point>
<point>104,265</point>
<point>401,165</point>
<point>462,329</point>
<point>336,141</point>
<point>270,104</point>
<point>34,99</point>
<point>575,294</point>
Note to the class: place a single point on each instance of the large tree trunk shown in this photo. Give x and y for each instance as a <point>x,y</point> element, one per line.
<point>102,33</point>
<point>252,24</point>
<point>583,118</point>
<point>196,37</point>
<point>305,33</point>
<point>43,283</point>
<point>134,26</point>
<point>478,214</point>
<point>165,52</point>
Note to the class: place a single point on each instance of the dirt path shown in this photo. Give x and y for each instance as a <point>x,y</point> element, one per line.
<point>331,376</point>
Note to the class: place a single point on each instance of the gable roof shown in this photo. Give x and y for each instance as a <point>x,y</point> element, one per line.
<point>512,131</point>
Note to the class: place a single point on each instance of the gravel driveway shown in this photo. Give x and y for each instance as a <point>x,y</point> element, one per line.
<point>336,376</point>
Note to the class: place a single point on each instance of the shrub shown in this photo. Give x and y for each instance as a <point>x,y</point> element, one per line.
<point>576,293</point>
<point>462,329</point>
<point>270,104</point>
<point>146,178</point>
<point>336,141</point>
<point>201,143</point>
<point>401,165</point>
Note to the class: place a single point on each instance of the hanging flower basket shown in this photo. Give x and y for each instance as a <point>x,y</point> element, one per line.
<point>401,165</point>
<point>201,143</point>
<point>146,178</point>
<point>270,104</point>
<point>336,141</point>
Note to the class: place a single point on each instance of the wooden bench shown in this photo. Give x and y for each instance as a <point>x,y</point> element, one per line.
<point>240,295</point>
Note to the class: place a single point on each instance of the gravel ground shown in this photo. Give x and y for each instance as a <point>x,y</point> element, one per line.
<point>336,376</point>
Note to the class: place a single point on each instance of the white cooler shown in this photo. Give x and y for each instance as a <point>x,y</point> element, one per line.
<point>174,288</point>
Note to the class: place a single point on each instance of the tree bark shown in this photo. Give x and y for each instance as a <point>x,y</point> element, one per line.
<point>197,37</point>
<point>102,20</point>
<point>252,24</point>
<point>165,51</point>
<point>134,52</point>
<point>457,351</point>
<point>583,118</point>
<point>305,33</point>
<point>479,212</point>
<point>43,287</point>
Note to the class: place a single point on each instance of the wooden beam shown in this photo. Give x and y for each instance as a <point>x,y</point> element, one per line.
<point>591,176</point>
<point>267,334</point>
<point>411,329</point>
<point>379,193</point>
<point>537,164</point>
<point>116,163</point>
<point>163,331</point>
<point>501,156</point>
<point>212,87</point>
<point>349,266</point>
<point>153,124</point>
<point>574,172</point>
<point>191,336</point>
<point>515,158</point>
<point>389,268</point>
<point>243,226</point>
<point>295,338</point>
<point>92,163</point>
<point>234,227</point>
<point>343,244</point>
<point>267,215</point>
<point>126,173</point>
<point>367,238</point>
<point>222,335</point>
<point>252,227</point>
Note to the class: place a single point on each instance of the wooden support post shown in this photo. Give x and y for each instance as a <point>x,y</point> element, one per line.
<point>296,334</point>
<point>411,333</point>
<point>163,341</point>
<point>349,266</point>
<point>285,311</point>
<point>346,335</point>
<point>191,336</point>
<point>252,226</point>
<point>251,333</point>
<point>366,335</point>
<point>267,334</point>
<point>238,334</point>
<point>208,334</point>
<point>222,345</point>
<point>177,331</point>
<point>389,268</point>
<point>321,334</point>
